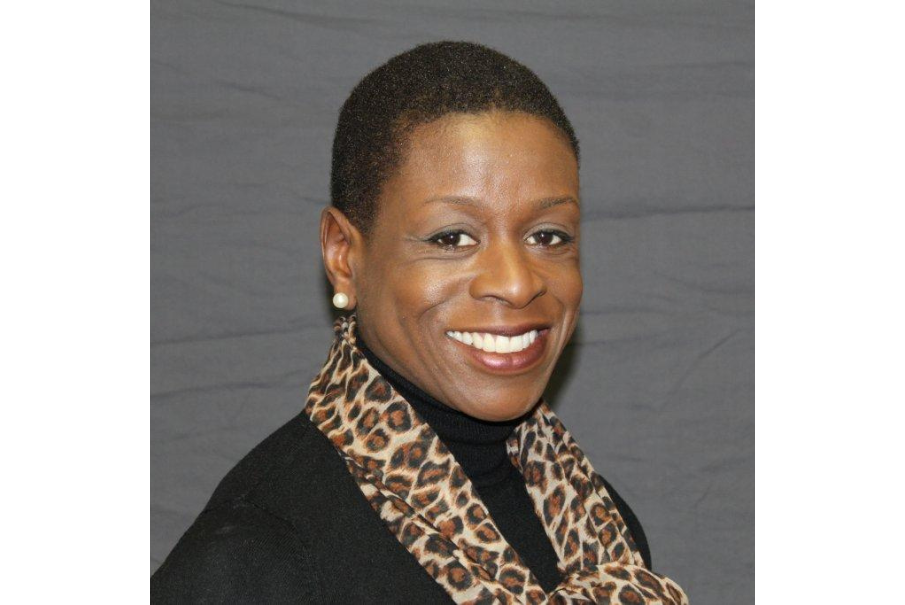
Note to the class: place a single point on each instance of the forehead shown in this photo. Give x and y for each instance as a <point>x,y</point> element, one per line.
<point>500,158</point>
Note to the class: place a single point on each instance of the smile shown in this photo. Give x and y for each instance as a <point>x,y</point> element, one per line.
<point>519,350</point>
<point>495,343</point>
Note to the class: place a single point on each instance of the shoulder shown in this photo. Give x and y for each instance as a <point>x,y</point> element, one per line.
<point>634,525</point>
<point>247,544</point>
<point>236,552</point>
<point>290,523</point>
<point>289,446</point>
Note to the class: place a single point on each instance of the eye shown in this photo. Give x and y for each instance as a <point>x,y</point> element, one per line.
<point>453,239</point>
<point>549,238</point>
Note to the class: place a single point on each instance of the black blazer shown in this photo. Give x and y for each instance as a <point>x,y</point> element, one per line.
<point>289,523</point>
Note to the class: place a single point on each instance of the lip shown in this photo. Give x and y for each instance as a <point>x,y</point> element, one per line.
<point>508,363</point>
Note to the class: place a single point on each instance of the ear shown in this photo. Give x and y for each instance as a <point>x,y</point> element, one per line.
<point>341,246</point>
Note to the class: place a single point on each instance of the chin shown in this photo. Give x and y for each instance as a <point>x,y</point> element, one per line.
<point>502,411</point>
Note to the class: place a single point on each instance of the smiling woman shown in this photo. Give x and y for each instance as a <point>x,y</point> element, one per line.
<point>426,466</point>
<point>476,235</point>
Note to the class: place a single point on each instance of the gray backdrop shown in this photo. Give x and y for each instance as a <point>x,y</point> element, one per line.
<point>658,385</point>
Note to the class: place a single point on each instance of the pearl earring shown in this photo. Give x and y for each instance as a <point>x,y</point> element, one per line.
<point>340,300</point>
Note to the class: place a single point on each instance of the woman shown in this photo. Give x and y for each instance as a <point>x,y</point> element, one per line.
<point>425,466</point>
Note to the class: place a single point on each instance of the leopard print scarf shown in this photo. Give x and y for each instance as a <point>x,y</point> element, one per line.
<point>422,494</point>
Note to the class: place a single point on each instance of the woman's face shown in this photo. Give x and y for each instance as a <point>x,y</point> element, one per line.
<point>469,282</point>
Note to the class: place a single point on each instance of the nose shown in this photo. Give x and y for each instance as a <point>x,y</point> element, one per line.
<point>507,274</point>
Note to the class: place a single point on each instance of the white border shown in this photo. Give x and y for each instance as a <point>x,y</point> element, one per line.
<point>76,310</point>
<point>830,279</point>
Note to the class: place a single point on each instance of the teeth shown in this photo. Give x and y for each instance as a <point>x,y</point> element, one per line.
<point>495,343</point>
<point>489,343</point>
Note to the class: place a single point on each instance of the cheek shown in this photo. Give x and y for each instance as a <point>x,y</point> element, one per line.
<point>566,285</point>
<point>577,287</point>
<point>425,286</point>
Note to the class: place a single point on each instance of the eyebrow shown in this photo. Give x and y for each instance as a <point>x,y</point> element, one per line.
<point>541,204</point>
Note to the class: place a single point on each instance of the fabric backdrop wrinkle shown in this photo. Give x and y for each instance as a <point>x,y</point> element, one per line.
<point>658,382</point>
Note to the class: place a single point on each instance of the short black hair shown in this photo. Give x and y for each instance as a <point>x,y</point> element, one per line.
<point>417,87</point>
